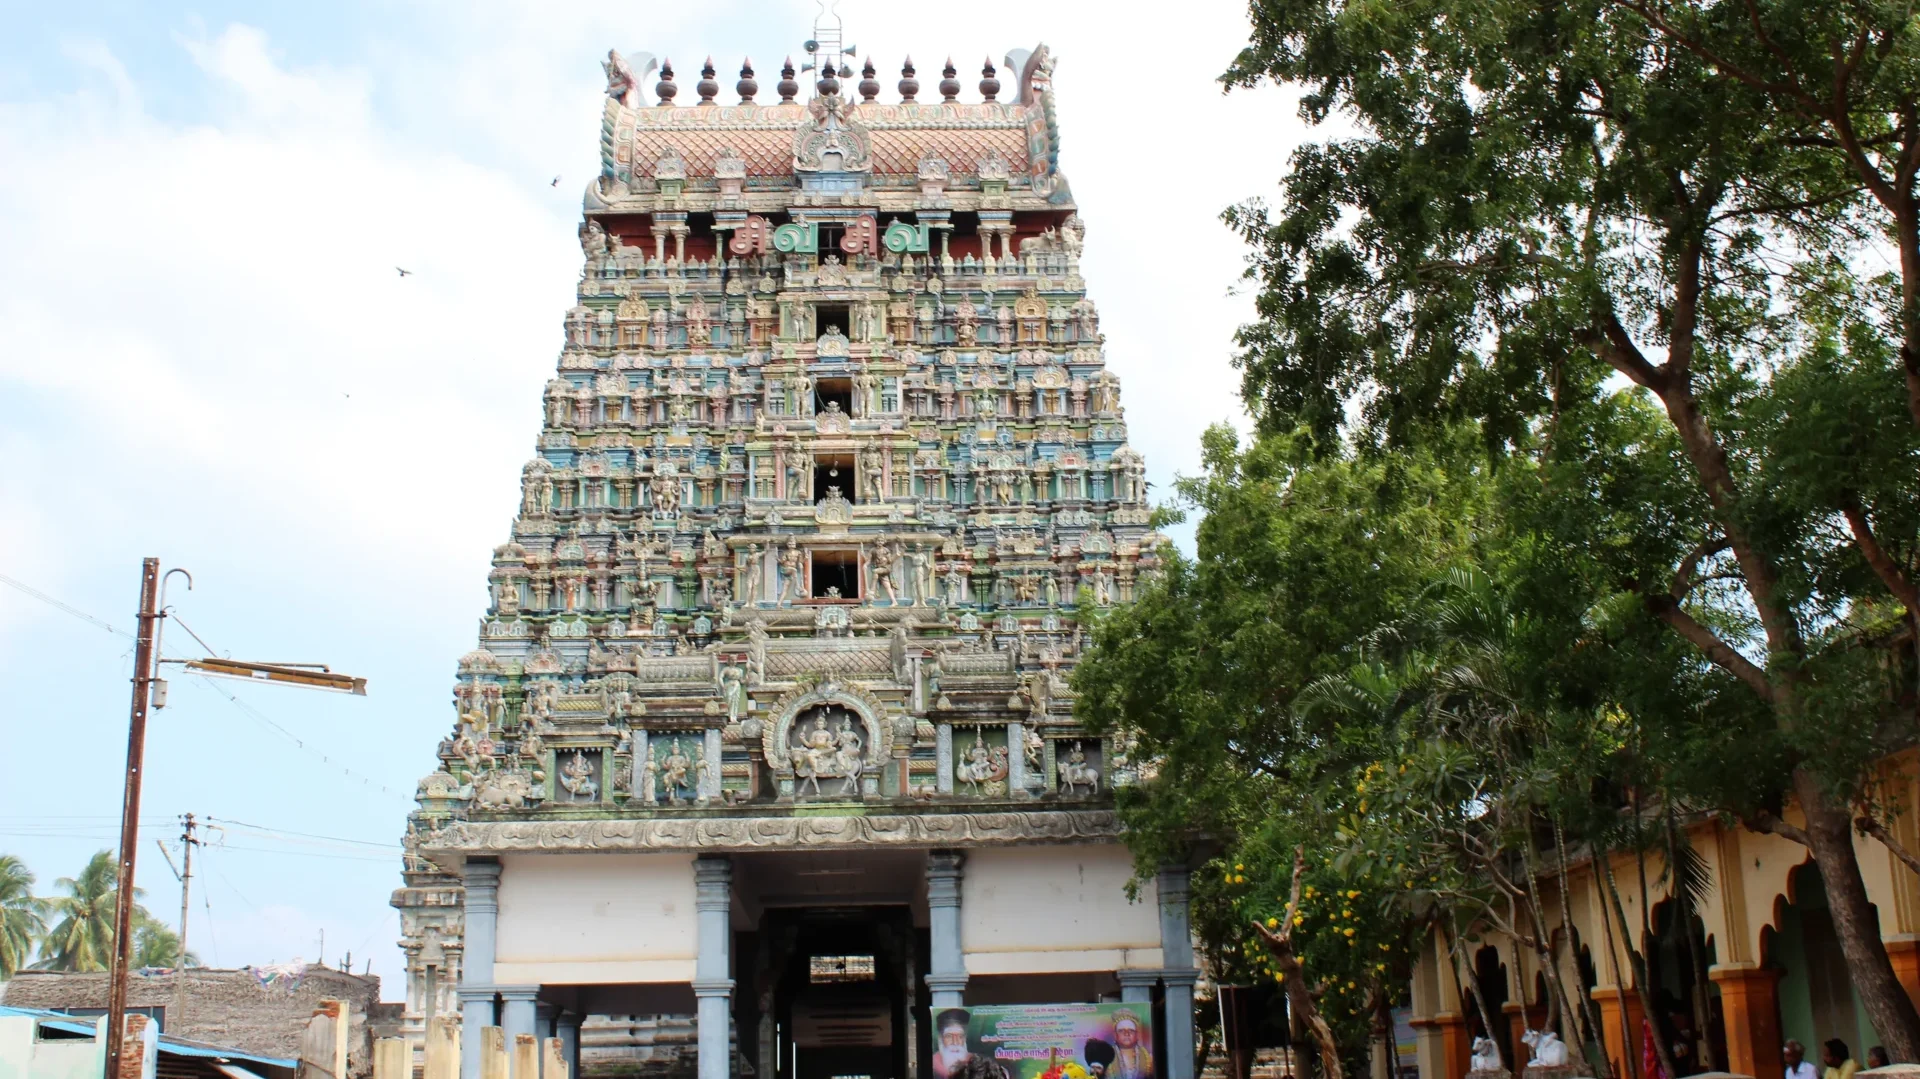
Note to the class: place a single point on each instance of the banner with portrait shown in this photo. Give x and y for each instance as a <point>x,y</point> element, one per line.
<point>1046,1041</point>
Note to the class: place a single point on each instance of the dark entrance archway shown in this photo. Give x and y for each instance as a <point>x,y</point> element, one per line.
<point>839,1000</point>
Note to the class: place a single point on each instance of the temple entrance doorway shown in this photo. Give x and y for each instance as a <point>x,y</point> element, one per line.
<point>840,1003</point>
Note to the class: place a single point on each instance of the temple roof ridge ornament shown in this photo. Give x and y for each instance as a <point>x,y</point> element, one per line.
<point>831,140</point>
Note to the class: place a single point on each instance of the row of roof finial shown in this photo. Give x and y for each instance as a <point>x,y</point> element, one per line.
<point>829,83</point>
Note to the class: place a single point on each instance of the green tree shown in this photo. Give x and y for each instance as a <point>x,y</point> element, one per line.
<point>1556,216</point>
<point>22,916</point>
<point>82,933</point>
<point>155,945</point>
<point>1301,550</point>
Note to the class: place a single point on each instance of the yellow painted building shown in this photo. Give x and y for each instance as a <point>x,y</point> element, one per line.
<point>1772,960</point>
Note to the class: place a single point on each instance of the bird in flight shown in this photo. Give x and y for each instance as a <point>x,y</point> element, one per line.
<point>403,273</point>
<point>555,183</point>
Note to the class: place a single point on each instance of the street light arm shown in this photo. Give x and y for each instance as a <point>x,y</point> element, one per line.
<point>279,673</point>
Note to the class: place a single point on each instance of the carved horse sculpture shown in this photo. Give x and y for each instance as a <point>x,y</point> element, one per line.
<point>1075,773</point>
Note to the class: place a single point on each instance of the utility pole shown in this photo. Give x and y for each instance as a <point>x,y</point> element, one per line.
<point>143,657</point>
<point>187,843</point>
<point>149,689</point>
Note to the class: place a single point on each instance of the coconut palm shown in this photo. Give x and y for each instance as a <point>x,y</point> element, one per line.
<point>22,916</point>
<point>82,935</point>
<point>154,945</point>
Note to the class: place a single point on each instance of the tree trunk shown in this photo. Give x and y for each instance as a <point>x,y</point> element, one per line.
<point>1650,1015</point>
<point>1830,836</point>
<point>1696,950</point>
<point>1300,1000</point>
<point>1589,1029</point>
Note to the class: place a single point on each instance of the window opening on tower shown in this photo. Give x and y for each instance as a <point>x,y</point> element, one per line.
<point>836,574</point>
<point>831,470</point>
<point>838,390</point>
<point>828,317</point>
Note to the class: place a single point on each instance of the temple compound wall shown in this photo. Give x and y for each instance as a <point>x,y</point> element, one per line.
<point>766,755</point>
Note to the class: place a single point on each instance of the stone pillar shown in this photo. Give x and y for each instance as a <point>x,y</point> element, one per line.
<point>1136,986</point>
<point>567,1029</point>
<point>1016,759</point>
<point>947,965</point>
<point>1750,1002</point>
<point>1176,951</point>
<point>1620,1016</point>
<point>392,1059</point>
<point>712,969</point>
<point>482,881</point>
<point>518,1014</point>
<point>495,1062</point>
<point>443,1049</point>
<point>710,756</point>
<point>1179,1001</point>
<point>1443,1045</point>
<point>1903,950</point>
<point>543,1016</point>
<point>526,1057</point>
<point>942,755</point>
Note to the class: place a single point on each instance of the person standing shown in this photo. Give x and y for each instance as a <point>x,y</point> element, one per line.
<point>1794,1055</point>
<point>1840,1063</point>
<point>1877,1057</point>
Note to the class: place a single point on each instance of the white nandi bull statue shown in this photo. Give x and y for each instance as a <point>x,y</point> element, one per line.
<point>1548,1050</point>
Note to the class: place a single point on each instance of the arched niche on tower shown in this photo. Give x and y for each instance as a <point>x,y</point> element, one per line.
<point>798,773</point>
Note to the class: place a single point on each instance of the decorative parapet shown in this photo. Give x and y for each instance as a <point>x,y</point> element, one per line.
<point>720,835</point>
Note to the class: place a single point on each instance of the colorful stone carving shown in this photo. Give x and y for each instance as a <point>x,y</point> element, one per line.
<point>830,467</point>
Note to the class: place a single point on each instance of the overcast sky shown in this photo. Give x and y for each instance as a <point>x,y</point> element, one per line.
<point>206,355</point>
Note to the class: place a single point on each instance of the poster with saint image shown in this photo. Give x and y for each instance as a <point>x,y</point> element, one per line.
<point>1046,1041</point>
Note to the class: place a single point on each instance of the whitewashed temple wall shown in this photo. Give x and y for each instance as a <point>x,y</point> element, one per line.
<point>595,919</point>
<point>1047,910</point>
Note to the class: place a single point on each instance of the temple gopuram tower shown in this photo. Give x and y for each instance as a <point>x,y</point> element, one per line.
<point>766,752</point>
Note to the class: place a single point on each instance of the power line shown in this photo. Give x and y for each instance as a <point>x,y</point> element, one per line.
<point>50,601</point>
<point>303,835</point>
<point>206,902</point>
<point>231,886</point>
<point>307,854</point>
<point>245,707</point>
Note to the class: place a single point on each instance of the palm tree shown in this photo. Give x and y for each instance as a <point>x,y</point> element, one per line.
<point>154,945</point>
<point>82,937</point>
<point>22,916</point>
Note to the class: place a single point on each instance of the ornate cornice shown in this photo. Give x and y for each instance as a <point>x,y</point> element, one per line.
<point>718,835</point>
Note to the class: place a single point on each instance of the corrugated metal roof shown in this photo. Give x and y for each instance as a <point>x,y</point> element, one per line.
<point>168,1043</point>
